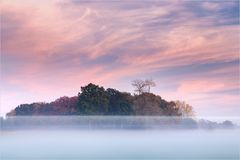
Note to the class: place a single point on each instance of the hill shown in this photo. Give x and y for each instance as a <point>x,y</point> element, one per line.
<point>95,100</point>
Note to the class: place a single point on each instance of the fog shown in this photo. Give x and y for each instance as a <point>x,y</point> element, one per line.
<point>30,138</point>
<point>113,122</point>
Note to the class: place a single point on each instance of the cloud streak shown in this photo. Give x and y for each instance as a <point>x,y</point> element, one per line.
<point>62,44</point>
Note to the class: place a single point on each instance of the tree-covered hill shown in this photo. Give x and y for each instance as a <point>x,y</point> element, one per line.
<point>96,100</point>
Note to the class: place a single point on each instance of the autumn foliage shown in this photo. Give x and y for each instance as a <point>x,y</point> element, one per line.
<point>95,100</point>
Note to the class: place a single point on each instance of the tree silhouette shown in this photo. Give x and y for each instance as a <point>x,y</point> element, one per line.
<point>142,86</point>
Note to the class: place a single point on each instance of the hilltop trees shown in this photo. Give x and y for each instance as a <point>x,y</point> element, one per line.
<point>147,104</point>
<point>151,104</point>
<point>119,103</point>
<point>61,106</point>
<point>93,100</point>
<point>24,109</point>
<point>64,105</point>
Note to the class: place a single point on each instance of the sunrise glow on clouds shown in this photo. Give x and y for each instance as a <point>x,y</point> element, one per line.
<point>190,48</point>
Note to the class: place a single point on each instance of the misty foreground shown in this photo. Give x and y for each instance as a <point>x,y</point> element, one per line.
<point>111,123</point>
<point>116,138</point>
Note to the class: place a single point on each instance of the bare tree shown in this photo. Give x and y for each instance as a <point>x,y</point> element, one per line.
<point>184,109</point>
<point>149,83</point>
<point>142,86</point>
<point>139,86</point>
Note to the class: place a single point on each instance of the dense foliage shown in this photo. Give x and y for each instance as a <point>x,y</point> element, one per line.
<point>119,103</point>
<point>95,100</point>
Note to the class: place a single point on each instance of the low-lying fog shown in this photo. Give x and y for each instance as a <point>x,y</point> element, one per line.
<point>30,143</point>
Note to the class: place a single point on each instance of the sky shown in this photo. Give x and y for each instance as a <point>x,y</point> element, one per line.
<point>190,49</point>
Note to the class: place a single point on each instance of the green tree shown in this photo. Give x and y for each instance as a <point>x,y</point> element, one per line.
<point>119,103</point>
<point>93,100</point>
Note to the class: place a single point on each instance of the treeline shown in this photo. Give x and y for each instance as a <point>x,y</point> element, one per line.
<point>95,100</point>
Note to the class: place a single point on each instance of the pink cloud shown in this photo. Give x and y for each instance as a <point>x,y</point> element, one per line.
<point>199,86</point>
<point>61,45</point>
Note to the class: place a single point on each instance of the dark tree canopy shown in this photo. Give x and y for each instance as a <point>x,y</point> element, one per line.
<point>119,104</point>
<point>93,100</point>
<point>24,109</point>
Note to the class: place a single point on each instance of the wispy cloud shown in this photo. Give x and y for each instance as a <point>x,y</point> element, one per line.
<point>62,44</point>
